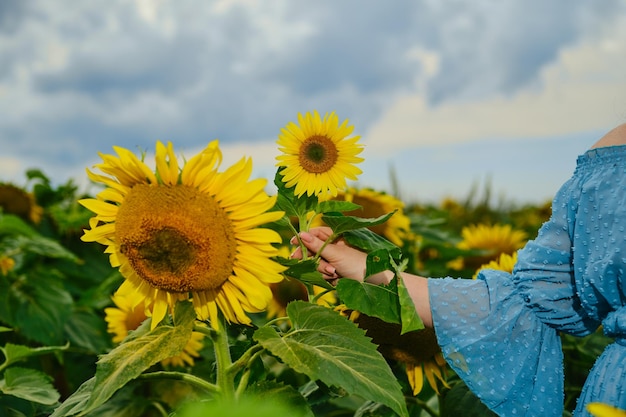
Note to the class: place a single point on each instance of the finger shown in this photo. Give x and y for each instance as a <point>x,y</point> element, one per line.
<point>297,254</point>
<point>327,269</point>
<point>322,232</point>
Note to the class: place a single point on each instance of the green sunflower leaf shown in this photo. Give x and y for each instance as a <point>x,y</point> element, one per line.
<point>43,246</point>
<point>369,241</point>
<point>408,314</point>
<point>40,307</point>
<point>326,346</point>
<point>461,401</point>
<point>13,225</point>
<point>305,271</point>
<point>15,353</point>
<point>288,202</point>
<point>278,393</point>
<point>77,402</point>
<point>335,206</point>
<point>134,355</point>
<point>374,300</point>
<point>341,224</point>
<point>30,385</point>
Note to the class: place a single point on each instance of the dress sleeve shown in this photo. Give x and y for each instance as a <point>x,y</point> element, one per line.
<point>505,354</point>
<point>544,272</point>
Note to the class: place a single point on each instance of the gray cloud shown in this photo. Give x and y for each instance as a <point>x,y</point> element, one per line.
<point>84,76</point>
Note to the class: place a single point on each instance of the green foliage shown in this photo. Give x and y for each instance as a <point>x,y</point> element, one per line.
<point>58,358</point>
<point>328,347</point>
<point>30,385</point>
<point>141,350</point>
<point>460,401</point>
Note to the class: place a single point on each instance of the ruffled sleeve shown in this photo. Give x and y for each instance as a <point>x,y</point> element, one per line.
<point>544,272</point>
<point>509,358</point>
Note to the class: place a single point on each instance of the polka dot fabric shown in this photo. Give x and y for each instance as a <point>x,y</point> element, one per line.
<point>500,331</point>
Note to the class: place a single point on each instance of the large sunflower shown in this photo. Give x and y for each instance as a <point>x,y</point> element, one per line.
<point>374,204</point>
<point>318,156</point>
<point>128,314</point>
<point>191,232</point>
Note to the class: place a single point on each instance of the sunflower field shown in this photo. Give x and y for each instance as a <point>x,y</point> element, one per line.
<point>172,291</point>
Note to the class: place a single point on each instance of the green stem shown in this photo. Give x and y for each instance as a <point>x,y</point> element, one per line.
<point>225,378</point>
<point>320,295</point>
<point>243,382</point>
<point>424,405</point>
<point>326,242</point>
<point>207,331</point>
<point>159,408</point>
<point>182,376</point>
<point>244,359</point>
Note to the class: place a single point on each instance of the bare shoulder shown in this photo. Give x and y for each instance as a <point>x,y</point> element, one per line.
<point>617,136</point>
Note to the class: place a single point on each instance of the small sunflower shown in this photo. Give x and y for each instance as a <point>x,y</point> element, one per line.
<point>128,314</point>
<point>498,238</point>
<point>605,410</point>
<point>417,350</point>
<point>375,204</point>
<point>505,263</point>
<point>190,232</point>
<point>14,200</point>
<point>493,239</point>
<point>318,156</point>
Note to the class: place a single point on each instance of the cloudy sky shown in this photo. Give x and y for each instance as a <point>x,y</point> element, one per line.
<point>444,94</point>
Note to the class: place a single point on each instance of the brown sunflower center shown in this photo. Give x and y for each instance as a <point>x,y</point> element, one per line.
<point>176,239</point>
<point>14,200</point>
<point>369,209</point>
<point>411,348</point>
<point>318,154</point>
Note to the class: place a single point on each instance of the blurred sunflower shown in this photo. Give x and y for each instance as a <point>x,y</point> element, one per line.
<point>317,155</point>
<point>187,233</point>
<point>505,263</point>
<point>493,240</point>
<point>374,204</point>
<point>417,350</point>
<point>129,313</point>
<point>6,264</point>
<point>605,410</point>
<point>14,200</point>
<point>283,293</point>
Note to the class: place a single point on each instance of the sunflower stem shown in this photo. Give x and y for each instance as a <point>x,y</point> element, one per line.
<point>207,331</point>
<point>225,378</point>
<point>245,359</point>
<point>243,382</point>
<point>320,295</point>
<point>330,239</point>
<point>182,376</point>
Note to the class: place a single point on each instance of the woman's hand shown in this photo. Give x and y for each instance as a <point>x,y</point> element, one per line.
<point>338,259</point>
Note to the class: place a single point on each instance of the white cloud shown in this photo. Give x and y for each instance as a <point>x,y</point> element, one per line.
<point>584,90</point>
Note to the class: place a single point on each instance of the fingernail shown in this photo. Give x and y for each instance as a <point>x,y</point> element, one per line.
<point>330,270</point>
<point>293,240</point>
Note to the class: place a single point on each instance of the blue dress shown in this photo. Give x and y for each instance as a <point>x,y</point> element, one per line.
<point>500,332</point>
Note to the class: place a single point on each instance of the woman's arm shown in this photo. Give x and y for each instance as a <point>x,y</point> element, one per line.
<point>340,260</point>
